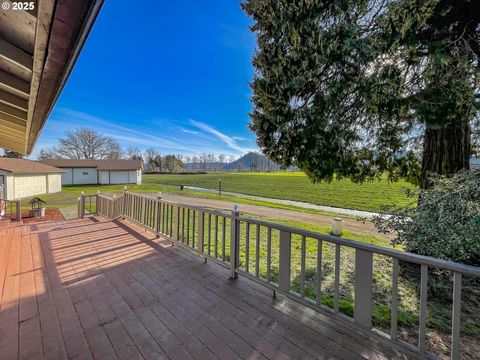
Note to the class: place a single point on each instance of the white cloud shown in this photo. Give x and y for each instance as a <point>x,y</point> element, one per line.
<point>190,131</point>
<point>174,136</point>
<point>229,141</point>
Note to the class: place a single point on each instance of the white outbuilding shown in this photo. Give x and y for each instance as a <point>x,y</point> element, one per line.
<point>101,172</point>
<point>21,178</point>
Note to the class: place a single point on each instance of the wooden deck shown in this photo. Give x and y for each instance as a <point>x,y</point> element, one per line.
<point>90,288</point>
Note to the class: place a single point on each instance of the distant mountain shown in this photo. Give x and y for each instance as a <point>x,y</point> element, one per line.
<point>200,166</point>
<point>253,162</point>
<point>249,162</point>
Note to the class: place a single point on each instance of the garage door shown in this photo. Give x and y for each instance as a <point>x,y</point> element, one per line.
<point>119,177</point>
<point>30,185</point>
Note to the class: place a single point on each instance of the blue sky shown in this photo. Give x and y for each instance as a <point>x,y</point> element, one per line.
<point>166,74</point>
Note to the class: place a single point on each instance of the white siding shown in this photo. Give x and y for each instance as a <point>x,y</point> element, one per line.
<point>67,177</point>
<point>103,177</point>
<point>118,177</point>
<point>10,187</point>
<point>6,181</point>
<point>136,177</point>
<point>54,183</point>
<point>29,185</point>
<point>85,176</point>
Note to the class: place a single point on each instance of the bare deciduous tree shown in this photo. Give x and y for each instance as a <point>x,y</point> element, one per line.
<point>83,144</point>
<point>133,153</point>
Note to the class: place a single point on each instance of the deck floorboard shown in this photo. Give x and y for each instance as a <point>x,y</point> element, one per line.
<point>97,289</point>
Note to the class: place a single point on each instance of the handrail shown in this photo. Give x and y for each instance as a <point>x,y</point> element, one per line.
<point>14,214</point>
<point>236,242</point>
<point>401,255</point>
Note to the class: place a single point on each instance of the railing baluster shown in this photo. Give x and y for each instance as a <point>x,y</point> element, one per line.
<point>336,294</point>
<point>284,261</point>
<point>269,252</point>
<point>318,283</point>
<point>209,232</point>
<point>183,224</point>
<point>177,223</point>
<point>201,231</point>
<point>171,221</point>
<point>247,246</point>
<point>234,243</point>
<point>224,226</point>
<point>257,251</point>
<point>216,236</point>
<point>302,267</point>
<point>188,226</point>
<point>193,227</point>
<point>423,308</point>
<point>394,315</point>
<point>456,315</point>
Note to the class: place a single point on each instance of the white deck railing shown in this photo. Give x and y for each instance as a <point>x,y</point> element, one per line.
<point>236,241</point>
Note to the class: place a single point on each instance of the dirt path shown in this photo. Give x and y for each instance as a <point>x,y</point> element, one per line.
<point>353,225</point>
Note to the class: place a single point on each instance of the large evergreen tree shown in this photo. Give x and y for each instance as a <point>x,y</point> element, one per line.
<point>357,88</point>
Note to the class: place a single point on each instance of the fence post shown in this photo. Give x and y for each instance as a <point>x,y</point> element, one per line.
<point>363,288</point>
<point>284,261</point>
<point>201,219</point>
<point>18,210</point>
<point>234,241</point>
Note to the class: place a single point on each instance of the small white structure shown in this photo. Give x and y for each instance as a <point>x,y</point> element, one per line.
<point>102,172</point>
<point>337,226</point>
<point>474,163</point>
<point>21,178</point>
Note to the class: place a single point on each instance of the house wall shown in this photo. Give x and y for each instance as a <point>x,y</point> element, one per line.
<point>20,186</point>
<point>119,177</point>
<point>103,177</point>
<point>10,184</point>
<point>54,183</point>
<point>29,185</point>
<point>85,176</point>
<point>136,177</point>
<point>67,177</point>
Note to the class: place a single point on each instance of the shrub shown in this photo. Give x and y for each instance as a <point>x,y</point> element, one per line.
<point>446,222</point>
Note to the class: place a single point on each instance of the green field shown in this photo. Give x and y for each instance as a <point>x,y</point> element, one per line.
<point>370,196</point>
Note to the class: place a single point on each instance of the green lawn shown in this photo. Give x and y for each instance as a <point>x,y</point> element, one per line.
<point>296,186</point>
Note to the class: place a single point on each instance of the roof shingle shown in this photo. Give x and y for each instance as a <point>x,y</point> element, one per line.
<point>24,166</point>
<point>98,164</point>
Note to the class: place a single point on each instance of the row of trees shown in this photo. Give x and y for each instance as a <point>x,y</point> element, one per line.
<point>86,143</point>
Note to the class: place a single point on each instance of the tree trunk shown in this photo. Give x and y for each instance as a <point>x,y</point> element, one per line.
<point>446,150</point>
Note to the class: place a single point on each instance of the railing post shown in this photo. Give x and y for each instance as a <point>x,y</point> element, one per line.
<point>79,207</point>
<point>158,217</point>
<point>456,316</point>
<point>363,288</point>
<point>18,210</point>
<point>201,234</point>
<point>234,241</point>
<point>114,207</point>
<point>284,261</point>
<point>176,222</point>
<point>124,202</point>
<point>82,205</point>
